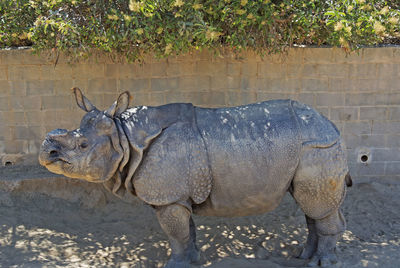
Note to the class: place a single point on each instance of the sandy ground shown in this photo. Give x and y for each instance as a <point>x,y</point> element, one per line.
<point>89,228</point>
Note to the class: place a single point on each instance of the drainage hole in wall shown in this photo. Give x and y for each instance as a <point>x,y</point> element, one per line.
<point>364,158</point>
<point>8,163</point>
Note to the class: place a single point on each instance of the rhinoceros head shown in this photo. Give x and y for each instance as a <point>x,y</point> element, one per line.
<point>93,151</point>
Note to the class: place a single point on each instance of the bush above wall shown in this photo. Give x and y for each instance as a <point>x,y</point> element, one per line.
<point>166,27</point>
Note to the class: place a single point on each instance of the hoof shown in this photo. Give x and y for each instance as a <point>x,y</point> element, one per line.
<point>323,261</point>
<point>177,264</point>
<point>306,253</point>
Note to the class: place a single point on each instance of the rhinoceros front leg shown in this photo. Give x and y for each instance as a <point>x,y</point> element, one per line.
<point>177,223</point>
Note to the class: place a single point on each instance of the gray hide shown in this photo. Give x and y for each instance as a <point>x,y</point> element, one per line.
<point>233,161</point>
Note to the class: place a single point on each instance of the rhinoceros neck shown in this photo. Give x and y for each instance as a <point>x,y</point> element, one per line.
<point>135,127</point>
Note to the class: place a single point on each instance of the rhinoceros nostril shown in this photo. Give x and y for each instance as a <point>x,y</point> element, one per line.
<point>53,153</point>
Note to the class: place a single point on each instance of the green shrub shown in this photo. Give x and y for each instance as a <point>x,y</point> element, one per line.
<point>133,28</point>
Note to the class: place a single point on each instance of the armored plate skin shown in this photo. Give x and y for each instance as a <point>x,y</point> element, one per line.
<point>232,161</point>
<point>253,152</point>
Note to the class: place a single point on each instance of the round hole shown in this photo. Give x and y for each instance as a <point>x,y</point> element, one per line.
<point>8,163</point>
<point>364,158</point>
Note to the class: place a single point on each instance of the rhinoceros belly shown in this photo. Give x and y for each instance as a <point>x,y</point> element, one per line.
<point>253,153</point>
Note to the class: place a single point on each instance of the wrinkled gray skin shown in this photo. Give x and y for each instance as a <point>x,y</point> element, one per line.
<point>235,161</point>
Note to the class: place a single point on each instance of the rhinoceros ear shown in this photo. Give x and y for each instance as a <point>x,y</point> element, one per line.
<point>82,101</point>
<point>120,105</point>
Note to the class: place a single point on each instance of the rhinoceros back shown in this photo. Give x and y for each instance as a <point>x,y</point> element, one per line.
<point>315,129</point>
<point>253,152</point>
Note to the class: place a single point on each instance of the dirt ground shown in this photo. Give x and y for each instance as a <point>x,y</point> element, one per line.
<point>54,222</point>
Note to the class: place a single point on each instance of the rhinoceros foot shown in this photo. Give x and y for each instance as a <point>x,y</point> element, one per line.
<point>323,260</point>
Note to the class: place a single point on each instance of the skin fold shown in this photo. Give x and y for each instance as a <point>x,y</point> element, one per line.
<point>237,161</point>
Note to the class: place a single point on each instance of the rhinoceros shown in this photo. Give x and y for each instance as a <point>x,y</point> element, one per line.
<point>237,161</point>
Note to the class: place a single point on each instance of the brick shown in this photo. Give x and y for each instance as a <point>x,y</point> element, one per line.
<point>29,57</point>
<point>365,70</point>
<point>324,111</point>
<point>392,140</point>
<point>264,96</point>
<point>24,72</point>
<point>11,57</point>
<point>388,85</point>
<point>95,98</point>
<point>55,102</point>
<point>318,55</point>
<point>225,82</point>
<point>295,55</point>
<point>234,68</point>
<point>370,141</point>
<point>388,70</point>
<point>134,84</point>
<point>58,72</point>
<point>5,88</point>
<point>87,71</point>
<point>3,73</point>
<point>99,85</point>
<point>246,98</point>
<point>40,87</point>
<point>278,85</point>
<point>394,113</point>
<point>141,98</point>
<point>393,98</point>
<point>211,68</point>
<point>373,113</point>
<point>386,154</point>
<point>392,168</point>
<point>63,87</point>
<point>339,56</point>
<point>159,68</point>
<point>306,98</point>
<point>313,85</point>
<point>157,99</point>
<point>179,97</point>
<point>370,169</point>
<point>83,84</point>
<point>249,68</point>
<point>26,132</point>
<point>330,99</point>
<point>164,84</point>
<point>357,128</point>
<point>49,118</point>
<point>34,118</point>
<point>382,54</point>
<point>365,99</point>
<point>15,146</point>
<point>269,70</point>
<point>25,103</point>
<point>386,127</point>
<point>187,68</point>
<point>248,82</point>
<point>325,70</point>
<point>294,70</point>
<point>4,104</point>
<point>173,69</point>
<point>112,70</point>
<point>344,113</point>
<point>194,82</point>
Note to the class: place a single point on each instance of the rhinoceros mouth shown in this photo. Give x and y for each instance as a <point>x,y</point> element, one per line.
<point>56,161</point>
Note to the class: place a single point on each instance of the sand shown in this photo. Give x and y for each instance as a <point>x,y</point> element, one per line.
<point>50,221</point>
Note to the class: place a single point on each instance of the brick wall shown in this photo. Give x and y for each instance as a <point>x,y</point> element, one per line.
<point>359,92</point>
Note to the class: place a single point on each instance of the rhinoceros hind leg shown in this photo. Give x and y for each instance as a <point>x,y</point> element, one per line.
<point>312,240</point>
<point>329,230</point>
<point>176,222</point>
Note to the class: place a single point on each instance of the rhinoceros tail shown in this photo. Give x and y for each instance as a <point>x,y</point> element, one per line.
<point>348,180</point>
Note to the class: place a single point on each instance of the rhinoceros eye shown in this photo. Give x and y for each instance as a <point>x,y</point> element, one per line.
<point>83,145</point>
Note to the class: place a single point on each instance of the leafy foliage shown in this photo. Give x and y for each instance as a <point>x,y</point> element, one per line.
<point>164,27</point>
